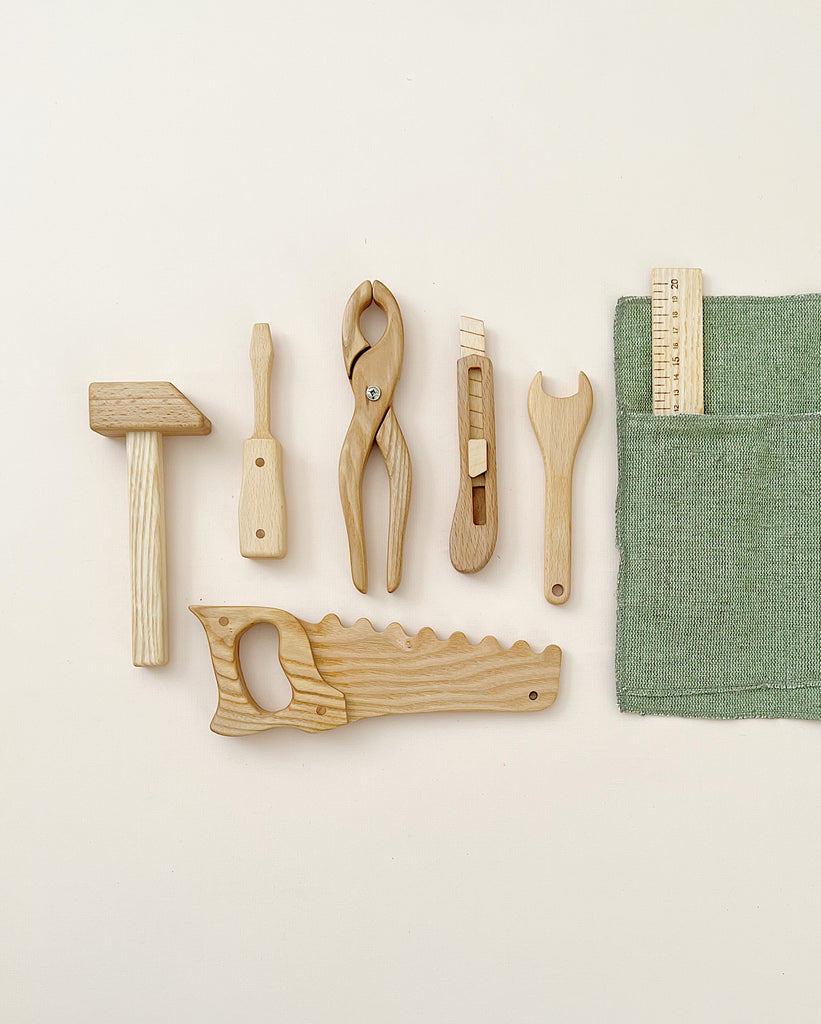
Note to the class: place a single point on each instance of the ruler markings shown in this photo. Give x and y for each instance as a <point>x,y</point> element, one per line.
<point>677,341</point>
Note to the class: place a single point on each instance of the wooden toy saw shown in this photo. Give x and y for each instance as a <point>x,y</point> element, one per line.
<point>341,674</point>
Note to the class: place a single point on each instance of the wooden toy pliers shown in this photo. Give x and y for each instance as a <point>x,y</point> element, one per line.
<point>374,371</point>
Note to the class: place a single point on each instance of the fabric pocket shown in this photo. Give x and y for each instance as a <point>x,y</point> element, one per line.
<point>718,522</point>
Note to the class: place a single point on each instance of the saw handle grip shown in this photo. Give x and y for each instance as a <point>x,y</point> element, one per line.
<point>315,706</point>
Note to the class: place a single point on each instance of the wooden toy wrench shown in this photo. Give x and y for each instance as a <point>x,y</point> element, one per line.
<point>559,424</point>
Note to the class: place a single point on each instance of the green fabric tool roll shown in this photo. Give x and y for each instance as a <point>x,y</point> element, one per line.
<point>718,518</point>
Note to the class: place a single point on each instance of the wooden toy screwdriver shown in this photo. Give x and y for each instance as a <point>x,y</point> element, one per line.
<point>262,515</point>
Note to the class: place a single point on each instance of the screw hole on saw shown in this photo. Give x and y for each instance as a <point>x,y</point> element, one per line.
<point>260,534</point>
<point>260,462</point>
<point>533,695</point>
<point>557,590</point>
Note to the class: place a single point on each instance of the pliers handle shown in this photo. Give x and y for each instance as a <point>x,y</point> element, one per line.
<point>374,371</point>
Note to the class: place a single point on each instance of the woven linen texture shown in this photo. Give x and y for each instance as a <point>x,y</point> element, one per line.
<point>718,518</point>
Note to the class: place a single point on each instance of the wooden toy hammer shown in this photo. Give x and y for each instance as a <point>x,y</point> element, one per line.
<point>143,412</point>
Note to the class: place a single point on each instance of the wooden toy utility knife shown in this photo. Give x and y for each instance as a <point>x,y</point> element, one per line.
<point>340,674</point>
<point>475,519</point>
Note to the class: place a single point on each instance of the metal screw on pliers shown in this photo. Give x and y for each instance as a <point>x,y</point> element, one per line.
<point>373,393</point>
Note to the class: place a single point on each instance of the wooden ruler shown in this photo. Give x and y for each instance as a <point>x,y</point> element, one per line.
<point>678,341</point>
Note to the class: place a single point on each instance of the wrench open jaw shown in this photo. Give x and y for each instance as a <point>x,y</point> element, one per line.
<point>373,371</point>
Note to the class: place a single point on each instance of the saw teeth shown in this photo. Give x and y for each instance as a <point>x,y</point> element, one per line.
<point>394,631</point>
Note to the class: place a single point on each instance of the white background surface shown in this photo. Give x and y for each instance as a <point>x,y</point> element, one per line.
<point>174,172</point>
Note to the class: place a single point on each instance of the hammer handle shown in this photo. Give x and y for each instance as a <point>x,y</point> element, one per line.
<point>146,515</point>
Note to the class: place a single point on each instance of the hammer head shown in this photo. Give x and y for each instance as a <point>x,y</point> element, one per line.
<point>117,408</point>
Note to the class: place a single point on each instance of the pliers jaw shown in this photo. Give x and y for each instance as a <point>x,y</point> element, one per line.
<point>373,371</point>
<point>354,343</point>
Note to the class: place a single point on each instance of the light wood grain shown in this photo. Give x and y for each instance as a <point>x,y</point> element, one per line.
<point>374,422</point>
<point>475,522</point>
<point>342,674</point>
<point>391,442</point>
<point>144,411</point>
<point>146,515</point>
<point>559,424</point>
<point>262,510</point>
<point>116,407</point>
<point>678,340</point>
<point>477,456</point>
<point>471,336</point>
<point>262,362</point>
<point>315,705</point>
